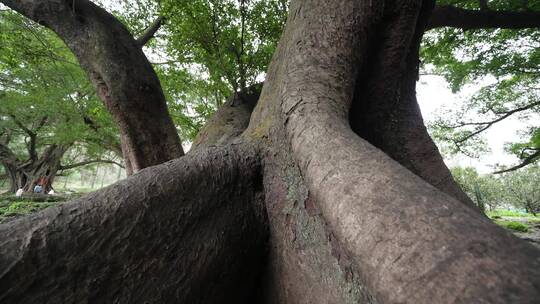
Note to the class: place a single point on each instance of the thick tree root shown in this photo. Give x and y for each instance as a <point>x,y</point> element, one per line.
<point>189,231</point>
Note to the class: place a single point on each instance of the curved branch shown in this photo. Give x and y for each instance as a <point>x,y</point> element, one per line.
<point>450,16</point>
<point>88,162</point>
<point>135,100</point>
<point>527,161</point>
<point>188,231</point>
<point>487,124</point>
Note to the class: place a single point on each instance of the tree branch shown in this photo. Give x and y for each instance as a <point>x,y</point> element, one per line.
<point>150,31</point>
<point>487,124</point>
<point>529,160</point>
<point>88,162</point>
<point>31,146</point>
<point>7,155</point>
<point>450,16</point>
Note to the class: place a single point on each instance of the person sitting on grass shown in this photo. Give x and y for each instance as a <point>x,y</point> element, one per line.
<point>38,188</point>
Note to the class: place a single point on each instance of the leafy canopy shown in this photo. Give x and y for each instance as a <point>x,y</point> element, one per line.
<point>43,90</point>
<point>505,63</point>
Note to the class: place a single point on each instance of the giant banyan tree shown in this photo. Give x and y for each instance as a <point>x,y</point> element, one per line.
<point>326,188</point>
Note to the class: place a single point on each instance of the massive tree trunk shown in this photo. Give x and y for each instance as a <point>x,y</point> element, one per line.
<point>15,177</point>
<point>44,169</point>
<point>385,110</point>
<point>120,72</point>
<point>345,223</point>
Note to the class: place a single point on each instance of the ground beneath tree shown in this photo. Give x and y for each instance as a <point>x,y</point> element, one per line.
<point>12,207</point>
<point>533,233</point>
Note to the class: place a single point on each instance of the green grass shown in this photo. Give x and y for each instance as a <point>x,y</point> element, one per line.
<point>509,213</point>
<point>12,207</point>
<point>23,207</point>
<point>515,226</point>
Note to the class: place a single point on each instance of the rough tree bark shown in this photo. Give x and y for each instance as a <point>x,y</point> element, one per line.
<point>384,234</point>
<point>121,73</point>
<point>188,231</point>
<point>346,223</point>
<point>385,110</point>
<point>231,119</point>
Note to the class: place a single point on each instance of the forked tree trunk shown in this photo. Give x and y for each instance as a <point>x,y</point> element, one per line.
<point>349,224</point>
<point>230,121</point>
<point>124,79</point>
<point>27,175</point>
<point>346,223</point>
<point>385,110</point>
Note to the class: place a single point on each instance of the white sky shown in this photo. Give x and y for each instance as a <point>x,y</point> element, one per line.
<point>433,93</point>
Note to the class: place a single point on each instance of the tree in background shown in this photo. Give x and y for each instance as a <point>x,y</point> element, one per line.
<point>523,188</point>
<point>50,119</point>
<point>504,61</point>
<point>484,190</point>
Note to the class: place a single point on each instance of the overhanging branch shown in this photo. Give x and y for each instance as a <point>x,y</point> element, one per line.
<point>527,161</point>
<point>487,124</point>
<point>450,16</point>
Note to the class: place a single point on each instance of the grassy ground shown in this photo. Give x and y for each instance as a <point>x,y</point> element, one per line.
<point>523,225</point>
<point>12,207</point>
<point>65,187</point>
<point>514,214</point>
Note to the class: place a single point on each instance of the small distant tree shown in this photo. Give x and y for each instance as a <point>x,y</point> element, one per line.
<point>485,190</point>
<point>523,188</point>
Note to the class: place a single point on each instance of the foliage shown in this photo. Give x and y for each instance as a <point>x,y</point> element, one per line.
<point>523,187</point>
<point>507,213</point>
<point>517,188</point>
<point>484,190</point>
<point>43,90</point>
<point>205,50</point>
<point>505,63</point>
